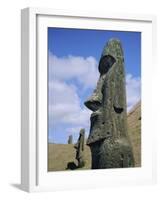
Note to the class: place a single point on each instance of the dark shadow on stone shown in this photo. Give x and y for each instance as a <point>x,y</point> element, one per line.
<point>118,110</point>
<point>106,63</point>
<point>71,165</point>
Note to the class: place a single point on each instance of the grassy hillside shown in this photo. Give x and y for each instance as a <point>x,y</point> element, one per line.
<point>62,156</point>
<point>134,130</point>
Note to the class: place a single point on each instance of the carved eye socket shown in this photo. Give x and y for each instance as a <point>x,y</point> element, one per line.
<point>106,63</point>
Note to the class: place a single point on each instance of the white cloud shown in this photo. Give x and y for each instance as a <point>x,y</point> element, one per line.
<point>64,102</point>
<point>133,90</point>
<point>64,105</point>
<point>84,70</point>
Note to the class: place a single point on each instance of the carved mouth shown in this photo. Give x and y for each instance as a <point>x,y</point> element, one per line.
<point>94,119</point>
<point>95,114</point>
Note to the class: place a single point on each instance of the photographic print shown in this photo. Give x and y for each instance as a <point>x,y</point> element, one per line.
<point>94,99</point>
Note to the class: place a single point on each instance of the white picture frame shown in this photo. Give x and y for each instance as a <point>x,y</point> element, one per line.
<point>34,175</point>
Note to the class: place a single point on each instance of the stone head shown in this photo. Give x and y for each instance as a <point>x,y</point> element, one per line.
<point>111,60</point>
<point>82,131</point>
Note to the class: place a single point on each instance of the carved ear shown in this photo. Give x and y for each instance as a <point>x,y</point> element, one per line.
<point>106,63</point>
<point>119,98</point>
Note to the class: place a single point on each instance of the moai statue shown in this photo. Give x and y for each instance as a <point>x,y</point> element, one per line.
<point>108,138</point>
<point>70,139</point>
<point>79,146</point>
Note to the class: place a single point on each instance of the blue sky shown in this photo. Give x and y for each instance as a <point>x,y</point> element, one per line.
<point>73,72</point>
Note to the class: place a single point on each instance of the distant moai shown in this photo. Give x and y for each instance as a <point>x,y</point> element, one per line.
<point>70,139</point>
<point>108,138</point>
<point>79,146</point>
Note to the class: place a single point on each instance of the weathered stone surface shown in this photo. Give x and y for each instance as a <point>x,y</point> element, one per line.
<point>70,139</point>
<point>108,138</point>
<point>79,146</point>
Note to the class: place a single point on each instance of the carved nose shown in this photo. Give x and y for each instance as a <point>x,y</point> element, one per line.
<point>94,102</point>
